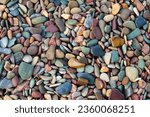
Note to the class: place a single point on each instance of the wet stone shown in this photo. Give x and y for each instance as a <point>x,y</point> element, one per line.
<point>64,88</point>
<point>25,70</point>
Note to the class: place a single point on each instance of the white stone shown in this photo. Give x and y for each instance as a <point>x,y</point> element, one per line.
<point>104,77</point>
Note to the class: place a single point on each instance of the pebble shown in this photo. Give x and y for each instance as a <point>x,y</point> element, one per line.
<point>116,95</point>
<point>74,63</point>
<point>129,24</point>
<point>140,21</point>
<point>18,57</point>
<point>114,56</point>
<point>141,64</point>
<point>59,54</point>
<point>145,48</point>
<point>125,14</point>
<point>82,81</point>
<point>147,88</point>
<point>4,1</point>
<point>104,77</point>
<point>32,50</point>
<point>86,76</point>
<point>25,70</point>
<point>64,88</point>
<point>5,83</point>
<point>136,32</point>
<point>132,73</point>
<point>108,18</point>
<point>85,50</point>
<point>38,20</point>
<point>72,4</point>
<point>99,83</point>
<point>89,68</point>
<point>88,20</point>
<point>36,94</point>
<point>60,24</point>
<point>146,15</point>
<point>50,54</point>
<point>27,58</point>
<point>75,10</point>
<point>107,58</point>
<point>5,50</point>
<point>117,42</point>
<point>97,51</point>
<point>115,8</point>
<point>4,42</point>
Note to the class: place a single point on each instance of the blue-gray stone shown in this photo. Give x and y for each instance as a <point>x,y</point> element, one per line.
<point>146,40</point>
<point>26,34</point>
<point>87,76</point>
<point>25,70</point>
<point>141,64</point>
<point>11,42</point>
<point>140,21</point>
<point>15,12</point>
<point>4,42</point>
<point>1,66</point>
<point>5,83</point>
<point>121,75</point>
<point>97,51</point>
<point>64,88</point>
<point>136,45</point>
<point>114,56</point>
<point>113,83</point>
<point>11,3</point>
<point>5,50</point>
<point>134,34</point>
<point>92,42</point>
<point>88,21</point>
<point>64,2</point>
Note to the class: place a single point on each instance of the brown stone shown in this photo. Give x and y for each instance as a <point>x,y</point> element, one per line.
<point>36,94</point>
<point>117,41</point>
<point>99,83</point>
<point>74,63</point>
<point>72,4</point>
<point>116,95</point>
<point>97,32</point>
<point>135,97</point>
<point>125,80</point>
<point>82,81</point>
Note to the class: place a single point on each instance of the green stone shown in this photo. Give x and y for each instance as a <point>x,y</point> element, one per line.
<point>114,56</point>
<point>81,69</point>
<point>1,66</point>
<point>141,64</point>
<point>25,70</point>
<point>89,69</point>
<point>38,20</point>
<point>92,42</point>
<point>85,50</point>
<point>26,34</point>
<point>134,34</point>
<point>129,24</point>
<point>72,22</point>
<point>18,57</point>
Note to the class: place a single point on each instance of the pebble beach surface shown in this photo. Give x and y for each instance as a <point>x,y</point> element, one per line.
<point>74,49</point>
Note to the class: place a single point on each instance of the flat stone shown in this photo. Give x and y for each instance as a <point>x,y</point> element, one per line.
<point>2,8</point>
<point>104,8</point>
<point>85,50</point>
<point>108,18</point>
<point>17,48</point>
<point>140,21</point>
<point>146,15</point>
<point>59,63</point>
<point>97,51</point>
<point>36,94</point>
<point>51,28</point>
<point>88,21</point>
<point>104,77</point>
<point>26,34</point>
<point>136,32</point>
<point>10,75</point>
<point>107,58</point>
<point>5,83</point>
<point>116,95</point>
<point>75,10</point>
<point>71,22</point>
<point>27,58</point>
<point>121,75</point>
<point>97,32</point>
<point>34,1</point>
<point>125,14</point>
<point>59,22</point>
<point>4,42</point>
<point>132,73</point>
<point>92,42</point>
<point>34,30</point>
<point>117,41</point>
<point>14,12</point>
<point>129,24</point>
<point>1,66</point>
<point>114,56</point>
<point>74,63</point>
<point>89,68</point>
<point>59,54</point>
<point>72,4</point>
<point>64,88</point>
<point>3,1</point>
<point>141,64</point>
<point>89,77</point>
<point>32,50</point>
<point>18,57</point>
<point>5,51</point>
<point>145,48</point>
<point>99,83</point>
<point>82,81</point>
<point>37,37</point>
<point>25,70</point>
<point>50,54</point>
<point>38,20</point>
<point>115,8</point>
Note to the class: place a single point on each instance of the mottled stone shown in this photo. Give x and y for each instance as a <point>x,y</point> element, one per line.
<point>117,41</point>
<point>134,34</point>
<point>114,56</point>
<point>5,83</point>
<point>25,70</point>
<point>115,8</point>
<point>74,63</point>
<point>89,77</point>
<point>125,14</point>
<point>132,73</point>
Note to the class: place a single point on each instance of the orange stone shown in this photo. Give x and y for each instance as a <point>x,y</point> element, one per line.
<point>125,80</point>
<point>36,94</point>
<point>139,5</point>
<point>124,5</point>
<point>99,83</point>
<point>117,41</point>
<point>115,8</point>
<point>104,69</point>
<point>89,1</point>
<point>79,39</point>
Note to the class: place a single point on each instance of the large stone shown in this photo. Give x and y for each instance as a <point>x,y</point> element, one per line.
<point>25,70</point>
<point>115,8</point>
<point>50,54</point>
<point>132,73</point>
<point>116,95</point>
<point>117,42</point>
<point>74,63</point>
<point>5,83</point>
<point>64,88</point>
<point>97,51</point>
